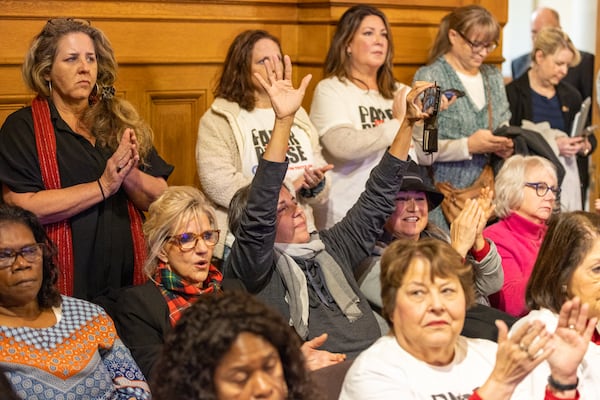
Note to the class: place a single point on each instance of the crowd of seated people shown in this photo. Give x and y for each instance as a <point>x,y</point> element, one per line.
<point>390,296</point>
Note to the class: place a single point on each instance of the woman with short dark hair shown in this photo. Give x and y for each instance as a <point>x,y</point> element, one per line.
<point>54,346</point>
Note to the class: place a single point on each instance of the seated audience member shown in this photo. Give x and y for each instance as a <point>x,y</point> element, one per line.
<point>581,76</point>
<point>541,95</point>
<point>235,130</point>
<point>231,346</point>
<point>426,289</point>
<point>7,391</point>
<point>560,275</point>
<point>180,234</point>
<point>410,221</point>
<point>310,278</point>
<point>526,192</point>
<point>54,346</point>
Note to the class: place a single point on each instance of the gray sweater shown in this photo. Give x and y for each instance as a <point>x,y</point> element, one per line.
<point>348,242</point>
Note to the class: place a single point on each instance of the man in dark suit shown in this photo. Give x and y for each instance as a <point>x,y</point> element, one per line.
<point>581,76</point>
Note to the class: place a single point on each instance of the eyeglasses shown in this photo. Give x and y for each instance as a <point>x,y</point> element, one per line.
<point>30,253</point>
<point>541,188</point>
<point>476,47</point>
<point>189,240</point>
<point>58,21</point>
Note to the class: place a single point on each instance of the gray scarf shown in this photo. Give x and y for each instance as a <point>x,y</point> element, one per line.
<point>296,285</point>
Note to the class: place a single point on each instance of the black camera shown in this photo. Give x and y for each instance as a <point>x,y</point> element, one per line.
<point>431,105</point>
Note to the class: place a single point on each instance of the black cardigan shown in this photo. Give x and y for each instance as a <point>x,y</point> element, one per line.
<point>521,107</point>
<point>141,316</point>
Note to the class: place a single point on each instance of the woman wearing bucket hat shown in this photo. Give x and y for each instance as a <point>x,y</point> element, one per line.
<point>410,221</point>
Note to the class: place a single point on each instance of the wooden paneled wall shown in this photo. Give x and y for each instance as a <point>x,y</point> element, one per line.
<point>170,51</point>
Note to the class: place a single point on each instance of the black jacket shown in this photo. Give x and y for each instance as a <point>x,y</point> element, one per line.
<point>521,107</point>
<point>580,76</point>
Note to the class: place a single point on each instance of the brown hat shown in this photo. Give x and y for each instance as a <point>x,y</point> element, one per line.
<point>413,180</point>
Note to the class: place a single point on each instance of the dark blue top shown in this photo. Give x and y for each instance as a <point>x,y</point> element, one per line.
<point>547,109</point>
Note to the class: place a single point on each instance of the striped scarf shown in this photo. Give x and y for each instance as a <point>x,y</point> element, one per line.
<point>179,294</point>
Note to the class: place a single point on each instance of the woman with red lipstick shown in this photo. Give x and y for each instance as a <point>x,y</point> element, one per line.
<point>426,289</point>
<point>465,38</point>
<point>526,193</point>
<point>54,346</point>
<point>82,159</point>
<point>541,95</point>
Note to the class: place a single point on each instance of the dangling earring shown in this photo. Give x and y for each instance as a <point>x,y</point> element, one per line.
<point>50,86</point>
<point>93,97</point>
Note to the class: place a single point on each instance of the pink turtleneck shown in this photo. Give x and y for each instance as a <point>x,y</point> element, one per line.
<point>518,241</point>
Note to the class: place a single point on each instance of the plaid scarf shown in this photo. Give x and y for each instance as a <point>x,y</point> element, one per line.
<point>179,294</point>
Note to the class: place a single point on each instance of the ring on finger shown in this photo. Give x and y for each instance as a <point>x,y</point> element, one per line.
<point>571,326</point>
<point>523,347</point>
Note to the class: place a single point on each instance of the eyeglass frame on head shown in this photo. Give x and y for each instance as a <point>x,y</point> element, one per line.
<point>70,19</point>
<point>476,47</point>
<point>176,239</point>
<point>13,254</point>
<point>539,186</point>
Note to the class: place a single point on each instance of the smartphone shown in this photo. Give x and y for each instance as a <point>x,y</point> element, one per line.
<point>449,93</point>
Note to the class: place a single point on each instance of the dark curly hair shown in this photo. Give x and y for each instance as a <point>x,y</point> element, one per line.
<point>48,296</point>
<point>205,333</point>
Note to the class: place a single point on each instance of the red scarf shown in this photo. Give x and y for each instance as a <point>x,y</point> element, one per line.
<point>60,232</point>
<point>179,294</point>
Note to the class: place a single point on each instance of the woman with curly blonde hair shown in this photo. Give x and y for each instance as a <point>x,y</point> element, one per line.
<point>81,159</point>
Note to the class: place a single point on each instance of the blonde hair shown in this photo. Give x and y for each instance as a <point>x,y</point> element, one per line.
<point>175,207</point>
<point>510,181</point>
<point>108,116</point>
<point>550,40</point>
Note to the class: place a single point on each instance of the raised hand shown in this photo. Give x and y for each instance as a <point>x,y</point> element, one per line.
<point>463,230</point>
<point>285,100</point>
